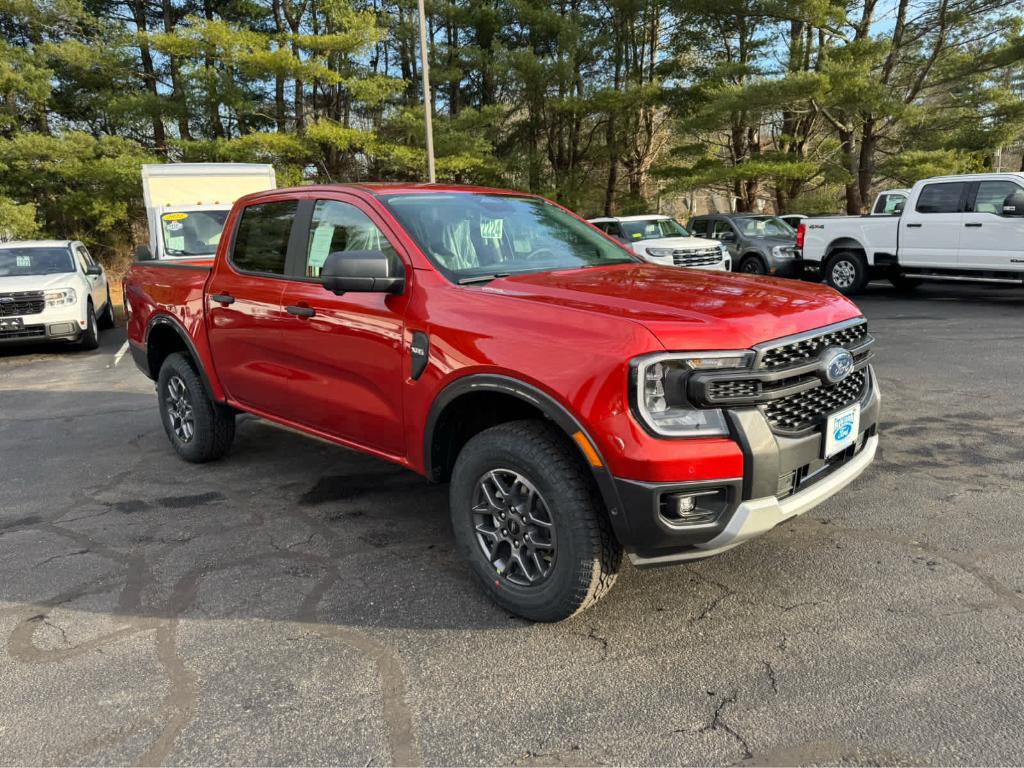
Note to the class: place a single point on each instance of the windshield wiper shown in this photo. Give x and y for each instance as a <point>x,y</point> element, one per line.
<point>482,278</point>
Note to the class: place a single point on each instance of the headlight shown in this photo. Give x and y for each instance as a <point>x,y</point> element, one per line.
<point>722,248</point>
<point>61,297</point>
<point>660,395</point>
<point>783,252</point>
<point>660,253</point>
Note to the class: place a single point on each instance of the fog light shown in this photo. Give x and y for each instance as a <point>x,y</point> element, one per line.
<point>62,329</point>
<point>694,509</point>
<point>684,505</point>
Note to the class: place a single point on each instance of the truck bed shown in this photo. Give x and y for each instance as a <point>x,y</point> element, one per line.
<point>165,288</point>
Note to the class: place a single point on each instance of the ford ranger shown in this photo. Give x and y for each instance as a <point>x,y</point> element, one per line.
<point>967,228</point>
<point>581,403</point>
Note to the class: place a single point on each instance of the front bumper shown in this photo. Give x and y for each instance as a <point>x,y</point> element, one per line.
<point>783,476</point>
<point>52,324</point>
<point>757,516</point>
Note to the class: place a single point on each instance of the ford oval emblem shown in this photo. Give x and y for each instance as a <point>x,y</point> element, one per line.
<point>837,364</point>
<point>6,300</point>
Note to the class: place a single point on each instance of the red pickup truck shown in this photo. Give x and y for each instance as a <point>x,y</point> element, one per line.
<point>580,403</point>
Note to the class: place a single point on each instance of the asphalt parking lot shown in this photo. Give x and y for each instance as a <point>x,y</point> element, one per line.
<point>299,603</point>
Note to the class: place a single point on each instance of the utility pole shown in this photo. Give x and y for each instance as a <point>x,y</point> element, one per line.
<point>427,101</point>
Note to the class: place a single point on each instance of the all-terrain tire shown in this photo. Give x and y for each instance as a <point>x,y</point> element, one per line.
<point>180,391</point>
<point>846,271</point>
<point>587,555</point>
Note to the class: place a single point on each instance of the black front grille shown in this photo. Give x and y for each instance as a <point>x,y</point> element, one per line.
<point>733,389</point>
<point>807,409</point>
<point>21,303</point>
<point>28,332</point>
<point>703,258</point>
<point>809,348</point>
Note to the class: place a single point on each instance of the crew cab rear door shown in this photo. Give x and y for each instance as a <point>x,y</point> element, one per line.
<point>990,239</point>
<point>244,314</point>
<point>342,356</point>
<point>929,229</point>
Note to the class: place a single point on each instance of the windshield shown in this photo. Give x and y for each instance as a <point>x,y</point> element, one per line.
<point>17,262</point>
<point>653,229</point>
<point>764,226</point>
<point>192,233</point>
<point>468,235</point>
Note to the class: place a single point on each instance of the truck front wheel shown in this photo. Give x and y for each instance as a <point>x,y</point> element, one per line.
<point>846,271</point>
<point>527,516</point>
<point>198,428</point>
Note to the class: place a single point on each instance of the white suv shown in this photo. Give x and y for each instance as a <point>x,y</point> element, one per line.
<point>662,240</point>
<point>52,290</point>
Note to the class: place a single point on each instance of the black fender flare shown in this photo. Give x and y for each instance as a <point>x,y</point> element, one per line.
<point>179,329</point>
<point>547,405</point>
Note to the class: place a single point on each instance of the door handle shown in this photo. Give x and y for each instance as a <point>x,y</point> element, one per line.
<point>915,226</point>
<point>294,309</point>
<point>223,298</point>
<point>973,224</point>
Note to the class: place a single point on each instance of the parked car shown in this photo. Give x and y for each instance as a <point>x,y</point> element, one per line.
<point>188,203</point>
<point>948,228</point>
<point>579,401</point>
<point>759,244</point>
<point>52,290</point>
<point>663,240</point>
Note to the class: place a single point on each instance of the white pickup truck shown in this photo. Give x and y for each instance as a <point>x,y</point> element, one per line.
<point>947,228</point>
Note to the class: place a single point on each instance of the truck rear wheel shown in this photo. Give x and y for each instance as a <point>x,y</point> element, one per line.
<point>527,516</point>
<point>846,271</point>
<point>199,429</point>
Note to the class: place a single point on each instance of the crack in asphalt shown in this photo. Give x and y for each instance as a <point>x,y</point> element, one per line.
<point>719,724</point>
<point>181,704</point>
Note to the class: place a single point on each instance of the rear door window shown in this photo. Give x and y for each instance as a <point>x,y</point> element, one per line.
<point>940,198</point>
<point>261,241</point>
<point>699,227</point>
<point>992,195</point>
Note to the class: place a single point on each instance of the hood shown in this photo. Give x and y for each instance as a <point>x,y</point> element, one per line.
<point>771,242</point>
<point>684,243</point>
<point>687,309</point>
<point>39,282</point>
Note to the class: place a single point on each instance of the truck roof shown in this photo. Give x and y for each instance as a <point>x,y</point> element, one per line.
<point>972,177</point>
<point>381,189</point>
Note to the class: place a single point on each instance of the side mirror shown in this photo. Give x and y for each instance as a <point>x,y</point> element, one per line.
<point>360,271</point>
<point>142,253</point>
<point>727,237</point>
<point>94,270</point>
<point>1013,205</point>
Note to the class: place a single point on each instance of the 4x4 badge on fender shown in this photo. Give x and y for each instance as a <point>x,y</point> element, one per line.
<point>836,365</point>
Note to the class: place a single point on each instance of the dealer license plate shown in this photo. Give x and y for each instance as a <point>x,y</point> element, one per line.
<point>11,323</point>
<point>841,430</point>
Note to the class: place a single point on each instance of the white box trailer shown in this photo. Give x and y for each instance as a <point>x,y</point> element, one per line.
<point>188,203</point>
